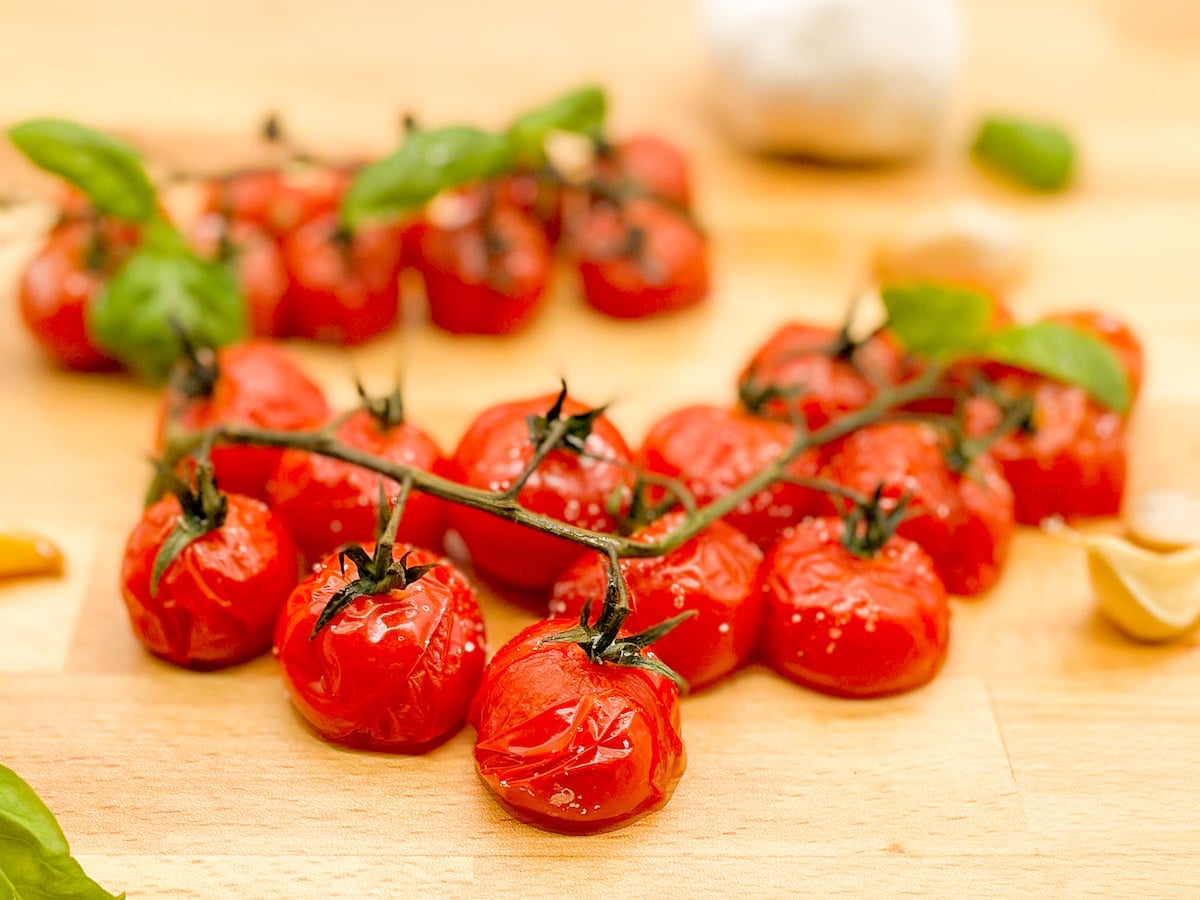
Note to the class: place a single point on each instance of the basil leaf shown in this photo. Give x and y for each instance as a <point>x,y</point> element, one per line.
<point>1038,156</point>
<point>581,110</point>
<point>35,860</point>
<point>428,163</point>
<point>155,296</point>
<point>108,172</point>
<point>1065,354</point>
<point>936,320</point>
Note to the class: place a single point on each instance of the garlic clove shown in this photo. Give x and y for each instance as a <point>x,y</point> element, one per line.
<point>25,553</point>
<point>1165,520</point>
<point>1150,596</point>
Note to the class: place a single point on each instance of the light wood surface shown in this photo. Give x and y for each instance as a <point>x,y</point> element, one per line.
<point>1052,757</point>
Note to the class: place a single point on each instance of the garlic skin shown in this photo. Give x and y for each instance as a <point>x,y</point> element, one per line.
<point>848,81</point>
<point>1150,596</point>
<point>1165,520</point>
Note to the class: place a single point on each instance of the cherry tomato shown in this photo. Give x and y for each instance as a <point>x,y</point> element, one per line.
<point>278,201</point>
<point>1069,460</point>
<point>327,503</point>
<point>253,384</point>
<point>344,289</point>
<point>715,574</point>
<point>640,258</point>
<point>712,450</point>
<point>567,486</point>
<point>652,164</point>
<point>62,281</point>
<point>539,197</point>
<point>963,521</point>
<point>218,600</point>
<point>823,375</point>
<point>392,672</point>
<point>848,625</point>
<point>486,276</point>
<point>257,264</point>
<point>571,745</point>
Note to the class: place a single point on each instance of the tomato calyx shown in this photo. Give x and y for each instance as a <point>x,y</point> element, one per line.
<point>387,410</point>
<point>1016,415</point>
<point>196,375</point>
<point>869,523</point>
<point>203,509</point>
<point>757,397</point>
<point>553,432</point>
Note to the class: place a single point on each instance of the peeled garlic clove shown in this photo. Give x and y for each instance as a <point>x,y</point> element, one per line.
<point>965,244</point>
<point>26,553</point>
<point>1150,596</point>
<point>1165,520</point>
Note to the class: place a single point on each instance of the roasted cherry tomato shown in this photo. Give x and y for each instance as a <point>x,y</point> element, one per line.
<point>639,258</point>
<point>649,163</point>
<point>256,262</point>
<point>253,384</point>
<point>485,276</point>
<point>1069,457</point>
<point>327,503</point>
<point>278,201</point>
<point>715,574</point>
<point>817,373</point>
<point>343,288</point>
<point>571,745</point>
<point>62,281</point>
<point>712,450</point>
<point>568,486</point>
<point>539,197</point>
<point>394,671</point>
<point>964,521</point>
<point>217,601</point>
<point>851,625</point>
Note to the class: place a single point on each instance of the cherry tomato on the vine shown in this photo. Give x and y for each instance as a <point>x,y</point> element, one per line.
<point>850,625</point>
<point>571,745</point>
<point>276,200</point>
<point>715,573</point>
<point>568,486</point>
<point>713,449</point>
<point>651,164</point>
<point>394,671</point>
<point>257,264</point>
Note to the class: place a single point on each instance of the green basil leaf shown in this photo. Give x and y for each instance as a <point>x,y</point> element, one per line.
<point>108,172</point>
<point>1038,156</point>
<point>1065,354</point>
<point>35,861</point>
<point>581,110</point>
<point>936,320</point>
<point>428,163</point>
<point>159,293</point>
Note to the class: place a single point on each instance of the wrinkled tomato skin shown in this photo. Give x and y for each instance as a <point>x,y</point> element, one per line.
<point>342,289</point>
<point>566,486</point>
<point>573,746</point>
<point>277,201</point>
<point>327,502</point>
<point>821,384</point>
<point>256,263</point>
<point>57,288</point>
<point>651,163</point>
<point>258,385</point>
<point>1073,463</point>
<point>666,269</point>
<point>486,277</point>
<point>394,672</point>
<point>715,574</point>
<point>849,626</point>
<point>713,449</point>
<point>963,521</point>
<point>218,600</point>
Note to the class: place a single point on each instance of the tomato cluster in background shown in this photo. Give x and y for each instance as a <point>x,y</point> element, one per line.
<point>837,575</point>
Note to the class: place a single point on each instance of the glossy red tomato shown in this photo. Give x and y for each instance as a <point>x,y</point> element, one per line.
<point>278,201</point>
<point>712,450</point>
<point>256,262</point>
<point>539,197</point>
<point>823,375</point>
<point>964,521</point>
<point>343,289</point>
<point>252,384</point>
<point>651,164</point>
<point>571,745</point>
<point>392,672</point>
<point>1069,460</point>
<point>566,486</point>
<point>848,625</point>
<point>327,503</point>
<point>61,283</point>
<point>218,600</point>
<point>715,574</point>
<point>640,258</point>
<point>485,276</point>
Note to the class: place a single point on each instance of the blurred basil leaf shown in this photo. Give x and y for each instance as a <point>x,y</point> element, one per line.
<point>581,110</point>
<point>935,320</point>
<point>1038,156</point>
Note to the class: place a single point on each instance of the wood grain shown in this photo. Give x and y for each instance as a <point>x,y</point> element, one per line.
<point>1052,757</point>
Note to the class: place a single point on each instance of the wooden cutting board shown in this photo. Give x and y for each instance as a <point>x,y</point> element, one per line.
<point>1052,757</point>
